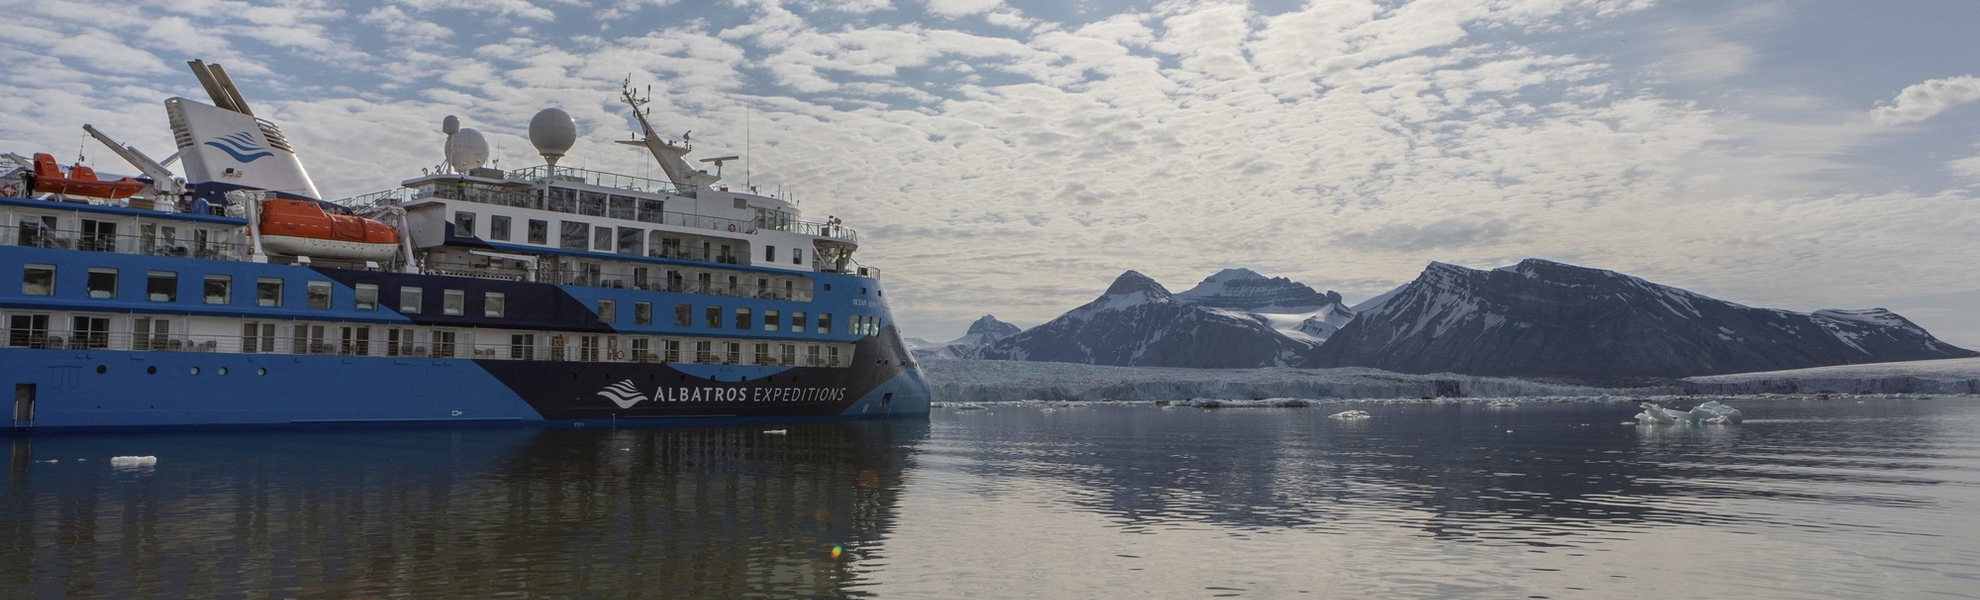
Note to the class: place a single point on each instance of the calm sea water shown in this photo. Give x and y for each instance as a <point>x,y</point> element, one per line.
<point>1806,499</point>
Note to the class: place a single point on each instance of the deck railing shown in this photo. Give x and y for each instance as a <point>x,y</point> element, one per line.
<point>42,237</point>
<point>374,340</point>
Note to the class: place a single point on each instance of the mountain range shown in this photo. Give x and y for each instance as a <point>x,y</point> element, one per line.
<point>1535,319</point>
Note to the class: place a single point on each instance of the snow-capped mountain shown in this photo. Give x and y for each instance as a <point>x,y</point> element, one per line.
<point>1542,318</point>
<point>1137,322</point>
<point>984,331</point>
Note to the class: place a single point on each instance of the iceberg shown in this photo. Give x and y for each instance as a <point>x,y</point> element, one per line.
<point>1711,412</point>
<point>1349,415</point>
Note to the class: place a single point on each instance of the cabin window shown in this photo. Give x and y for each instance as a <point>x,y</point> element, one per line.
<point>832,356</point>
<point>257,337</point>
<point>588,348</point>
<point>591,203</point>
<point>797,321</point>
<point>498,228</point>
<point>712,316</point>
<point>267,291</point>
<point>38,280</point>
<point>493,305</point>
<point>367,296</point>
<point>683,315</point>
<point>27,331</point>
<point>539,231</point>
<point>217,289</point>
<point>443,344</point>
<point>797,256</point>
<point>704,351</point>
<point>670,351</point>
<point>770,319</point>
<point>90,333</point>
<point>317,295</point>
<point>354,341</point>
<point>824,322</point>
<point>742,320</point>
<point>789,352</point>
<point>522,346</point>
<point>731,353</point>
<point>759,353</point>
<point>601,239</point>
<point>398,341</point>
<point>308,340</point>
<point>576,235</point>
<point>629,240</point>
<point>642,350</point>
<point>409,299</point>
<point>97,235</point>
<point>624,207</point>
<point>453,302</point>
<point>162,286</point>
<point>769,254</point>
<point>608,310</point>
<point>150,334</point>
<point>102,282</point>
<point>463,224</point>
<point>812,357</point>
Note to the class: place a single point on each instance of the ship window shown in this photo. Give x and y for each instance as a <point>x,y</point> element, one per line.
<point>102,282</point>
<point>355,341</point>
<point>452,301</point>
<point>267,291</point>
<point>97,235</point>
<point>623,207</point>
<point>498,228</point>
<point>257,337</point>
<point>731,353</point>
<point>162,286</point>
<point>790,353</point>
<point>629,240</point>
<point>797,256</point>
<point>742,319</point>
<point>713,317</point>
<point>770,319</point>
<point>671,351</point>
<point>443,344</point>
<point>576,235</point>
<point>760,354</point>
<point>539,231</point>
<point>608,311</point>
<point>463,224</point>
<point>704,351</point>
<point>398,341</point>
<point>150,334</point>
<point>27,331</point>
<point>812,357</point>
<point>367,296</point>
<point>797,321</point>
<point>643,313</point>
<point>601,239</point>
<point>591,203</point>
<point>832,356</point>
<point>308,340</point>
<point>492,305</point>
<point>218,289</point>
<point>824,322</point>
<point>683,315</point>
<point>588,348</point>
<point>38,280</point>
<point>409,299</point>
<point>642,350</point>
<point>90,332</point>
<point>522,346</point>
<point>769,254</point>
<point>317,295</point>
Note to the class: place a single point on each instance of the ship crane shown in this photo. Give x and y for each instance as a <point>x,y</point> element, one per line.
<point>667,153</point>
<point>163,182</point>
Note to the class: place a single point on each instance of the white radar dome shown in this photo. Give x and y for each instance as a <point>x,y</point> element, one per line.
<point>553,132</point>
<point>470,150</point>
<point>450,125</point>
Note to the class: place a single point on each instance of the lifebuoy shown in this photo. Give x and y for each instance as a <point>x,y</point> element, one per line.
<point>618,354</point>
<point>9,190</point>
<point>732,228</point>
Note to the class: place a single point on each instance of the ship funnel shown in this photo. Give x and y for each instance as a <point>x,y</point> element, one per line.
<point>553,132</point>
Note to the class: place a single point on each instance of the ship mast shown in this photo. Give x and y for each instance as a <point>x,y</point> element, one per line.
<point>666,152</point>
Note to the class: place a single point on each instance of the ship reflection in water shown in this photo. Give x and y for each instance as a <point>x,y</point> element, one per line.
<point>1805,499</point>
<point>469,513</point>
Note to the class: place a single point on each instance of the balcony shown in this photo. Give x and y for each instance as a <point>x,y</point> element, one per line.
<point>41,237</point>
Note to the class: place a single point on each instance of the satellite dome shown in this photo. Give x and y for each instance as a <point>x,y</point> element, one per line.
<point>470,151</point>
<point>450,125</point>
<point>553,132</point>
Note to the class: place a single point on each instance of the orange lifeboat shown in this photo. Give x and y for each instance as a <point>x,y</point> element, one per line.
<point>303,228</point>
<point>78,181</point>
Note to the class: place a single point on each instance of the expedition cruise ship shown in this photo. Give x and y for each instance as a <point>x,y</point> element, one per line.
<point>236,295</point>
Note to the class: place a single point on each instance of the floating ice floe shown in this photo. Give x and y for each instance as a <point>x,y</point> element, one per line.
<point>1711,412</point>
<point>133,462</point>
<point>1502,403</point>
<point>968,406</point>
<point>1349,415</point>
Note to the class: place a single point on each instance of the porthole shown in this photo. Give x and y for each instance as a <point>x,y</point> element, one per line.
<point>100,369</point>
<point>195,370</point>
<point>261,371</point>
<point>221,371</point>
<point>151,370</point>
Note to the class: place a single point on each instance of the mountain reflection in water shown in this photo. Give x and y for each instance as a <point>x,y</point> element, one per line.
<point>1871,499</point>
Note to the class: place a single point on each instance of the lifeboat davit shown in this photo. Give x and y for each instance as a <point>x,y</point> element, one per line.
<point>78,181</point>
<point>303,228</point>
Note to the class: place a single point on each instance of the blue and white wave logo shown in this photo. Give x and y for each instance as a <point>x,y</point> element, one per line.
<point>241,146</point>
<point>623,394</point>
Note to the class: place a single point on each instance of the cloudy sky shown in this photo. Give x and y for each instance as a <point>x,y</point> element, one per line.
<point>1013,157</point>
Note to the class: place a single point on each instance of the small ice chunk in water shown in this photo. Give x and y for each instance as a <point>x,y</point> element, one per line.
<point>1711,412</point>
<point>1503,403</point>
<point>776,431</point>
<point>1349,415</point>
<point>132,462</point>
